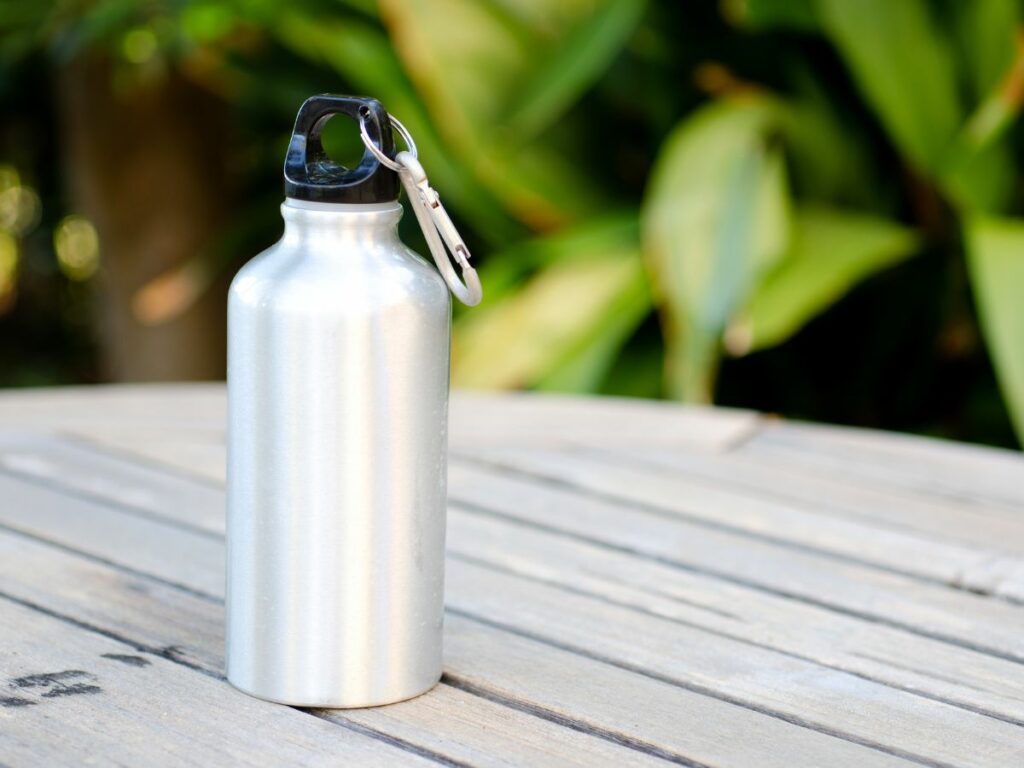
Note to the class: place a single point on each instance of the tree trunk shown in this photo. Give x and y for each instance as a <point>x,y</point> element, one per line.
<point>147,167</point>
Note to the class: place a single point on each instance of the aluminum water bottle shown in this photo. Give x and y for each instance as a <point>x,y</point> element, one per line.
<point>338,367</point>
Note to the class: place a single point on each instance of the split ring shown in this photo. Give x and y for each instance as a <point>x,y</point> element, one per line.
<point>383,159</point>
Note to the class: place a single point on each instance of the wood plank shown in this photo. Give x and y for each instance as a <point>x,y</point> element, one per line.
<point>184,405</point>
<point>522,418</point>
<point>48,459</point>
<point>72,697</point>
<point>881,653</point>
<point>896,508</point>
<point>995,574</point>
<point>712,485</point>
<point>896,658</point>
<point>707,729</point>
<point>995,529</point>
<point>201,456</point>
<point>969,475</point>
<point>526,677</point>
<point>859,710</point>
<point>979,567</point>
<point>791,688</point>
<point>731,508</point>
<point>148,411</point>
<point>851,589</point>
<point>479,731</point>
<point>187,418</point>
<point>164,623</point>
<point>173,553</point>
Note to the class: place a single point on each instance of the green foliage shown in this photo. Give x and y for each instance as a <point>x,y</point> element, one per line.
<point>529,339</point>
<point>715,221</point>
<point>772,14</point>
<point>830,251</point>
<point>612,159</point>
<point>996,261</point>
<point>903,68</point>
<point>576,63</point>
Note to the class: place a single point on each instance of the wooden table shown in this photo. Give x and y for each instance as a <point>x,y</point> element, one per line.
<point>629,583</point>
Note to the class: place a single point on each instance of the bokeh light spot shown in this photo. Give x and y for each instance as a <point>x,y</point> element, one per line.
<point>19,209</point>
<point>9,177</point>
<point>8,269</point>
<point>206,22</point>
<point>19,205</point>
<point>78,247</point>
<point>139,45</point>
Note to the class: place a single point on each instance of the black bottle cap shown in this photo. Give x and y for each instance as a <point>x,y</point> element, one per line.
<point>309,174</point>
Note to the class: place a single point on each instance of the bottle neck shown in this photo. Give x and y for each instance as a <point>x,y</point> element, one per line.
<point>339,224</point>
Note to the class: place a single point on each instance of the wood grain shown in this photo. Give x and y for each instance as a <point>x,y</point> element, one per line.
<point>737,672</point>
<point>773,567</point>
<point>73,697</point>
<point>885,654</point>
<point>628,584</point>
<point>994,526</point>
<point>493,520</point>
<point>196,414</point>
<point>968,475</point>
<point>520,681</point>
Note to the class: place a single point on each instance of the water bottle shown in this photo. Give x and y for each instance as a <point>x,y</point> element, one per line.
<point>338,368</point>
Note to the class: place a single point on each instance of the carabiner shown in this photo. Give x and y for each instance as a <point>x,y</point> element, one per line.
<point>439,231</point>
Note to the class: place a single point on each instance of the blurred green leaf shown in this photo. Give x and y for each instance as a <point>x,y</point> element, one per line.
<point>830,252</point>
<point>205,22</point>
<point>995,260</point>
<point>979,172</point>
<point>612,232</point>
<point>827,159</point>
<point>714,221</point>
<point>364,56</point>
<point>468,59</point>
<point>772,14</point>
<point>903,67</point>
<point>560,331</point>
<point>16,16</point>
<point>572,67</point>
<point>979,178</point>
<point>586,363</point>
<point>984,30</point>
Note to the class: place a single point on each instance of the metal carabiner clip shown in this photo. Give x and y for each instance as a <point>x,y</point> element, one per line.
<point>437,226</point>
<point>439,231</point>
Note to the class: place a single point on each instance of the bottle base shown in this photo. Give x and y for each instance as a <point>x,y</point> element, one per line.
<point>334,703</point>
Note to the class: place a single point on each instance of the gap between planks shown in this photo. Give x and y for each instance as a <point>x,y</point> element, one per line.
<point>878,753</point>
<point>969,475</point>
<point>105,703</point>
<point>657,700</point>
<point>451,692</point>
<point>214,502</point>
<point>703,502</point>
<point>892,507</point>
<point>978,565</point>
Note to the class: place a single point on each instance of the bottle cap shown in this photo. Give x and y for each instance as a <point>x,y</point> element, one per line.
<point>309,174</point>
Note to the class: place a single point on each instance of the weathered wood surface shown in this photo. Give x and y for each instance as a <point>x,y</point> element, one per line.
<point>628,584</point>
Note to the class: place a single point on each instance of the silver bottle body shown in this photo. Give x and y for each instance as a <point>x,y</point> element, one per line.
<point>338,348</point>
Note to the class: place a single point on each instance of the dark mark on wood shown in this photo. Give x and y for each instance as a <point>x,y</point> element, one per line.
<point>59,683</point>
<point>78,689</point>
<point>131,661</point>
<point>172,652</point>
<point>15,701</point>
<point>46,679</point>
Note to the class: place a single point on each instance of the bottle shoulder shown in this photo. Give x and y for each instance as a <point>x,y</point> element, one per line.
<point>286,277</point>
